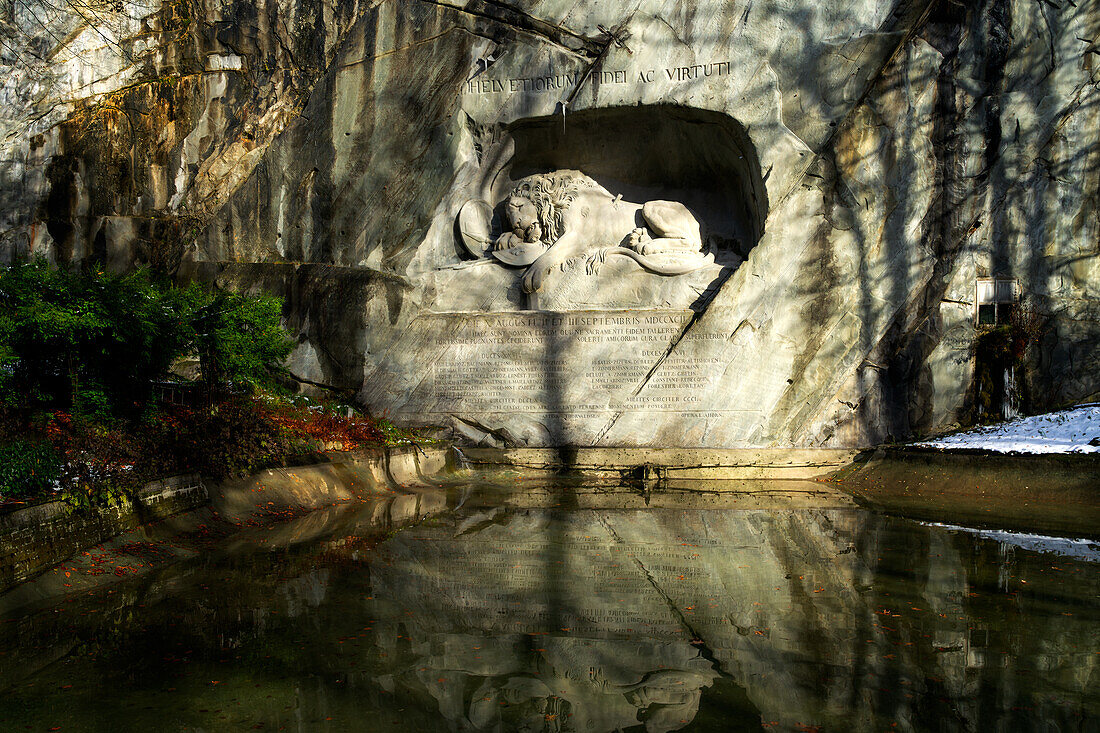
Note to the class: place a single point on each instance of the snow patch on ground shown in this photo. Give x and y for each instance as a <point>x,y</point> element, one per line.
<point>1078,549</point>
<point>1068,431</point>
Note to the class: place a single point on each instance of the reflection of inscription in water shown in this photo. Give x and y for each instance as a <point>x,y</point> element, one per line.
<point>529,591</point>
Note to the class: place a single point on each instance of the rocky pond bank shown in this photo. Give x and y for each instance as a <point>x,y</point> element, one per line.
<point>1037,473</point>
<point>53,550</point>
<point>48,549</point>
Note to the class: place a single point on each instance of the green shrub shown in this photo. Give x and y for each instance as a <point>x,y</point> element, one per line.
<point>28,468</point>
<point>92,404</point>
<point>94,342</point>
<point>239,339</point>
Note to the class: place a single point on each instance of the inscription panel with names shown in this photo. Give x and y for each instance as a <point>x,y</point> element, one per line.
<point>587,362</point>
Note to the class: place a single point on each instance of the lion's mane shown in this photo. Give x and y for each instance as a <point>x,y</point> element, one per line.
<point>552,194</point>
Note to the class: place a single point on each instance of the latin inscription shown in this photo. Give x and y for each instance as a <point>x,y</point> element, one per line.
<point>555,82</point>
<point>578,363</point>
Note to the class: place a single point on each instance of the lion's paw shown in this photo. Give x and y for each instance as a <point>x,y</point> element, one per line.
<point>637,238</point>
<point>668,246</point>
<point>532,281</point>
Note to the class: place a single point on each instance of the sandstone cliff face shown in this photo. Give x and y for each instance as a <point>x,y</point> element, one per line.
<point>879,157</point>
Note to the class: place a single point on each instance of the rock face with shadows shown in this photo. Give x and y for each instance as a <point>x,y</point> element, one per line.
<point>855,168</point>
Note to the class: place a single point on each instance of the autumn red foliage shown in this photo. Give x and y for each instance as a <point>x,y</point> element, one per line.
<point>235,435</point>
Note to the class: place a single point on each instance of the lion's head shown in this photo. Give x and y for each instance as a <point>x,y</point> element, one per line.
<point>536,206</point>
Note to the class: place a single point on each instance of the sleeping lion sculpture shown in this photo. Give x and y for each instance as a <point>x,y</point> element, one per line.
<point>552,218</point>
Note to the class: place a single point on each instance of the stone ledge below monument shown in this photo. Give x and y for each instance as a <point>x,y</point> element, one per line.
<point>488,286</point>
<point>670,464</point>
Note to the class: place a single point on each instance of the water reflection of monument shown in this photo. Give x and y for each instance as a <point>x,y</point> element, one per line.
<point>814,616</point>
<point>576,684</point>
<point>603,620</point>
<point>539,626</point>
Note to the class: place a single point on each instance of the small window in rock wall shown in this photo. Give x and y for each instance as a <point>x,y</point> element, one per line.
<point>996,301</point>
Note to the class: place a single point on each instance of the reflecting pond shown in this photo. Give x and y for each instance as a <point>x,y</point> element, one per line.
<point>686,614</point>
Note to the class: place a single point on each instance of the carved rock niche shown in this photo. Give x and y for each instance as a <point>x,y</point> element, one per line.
<point>662,204</point>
